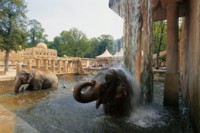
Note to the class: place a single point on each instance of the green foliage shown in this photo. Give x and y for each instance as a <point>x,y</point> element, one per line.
<point>93,42</point>
<point>56,44</point>
<point>159,36</point>
<point>36,33</point>
<point>99,44</point>
<point>71,43</point>
<point>12,24</point>
<point>75,43</point>
<point>105,41</point>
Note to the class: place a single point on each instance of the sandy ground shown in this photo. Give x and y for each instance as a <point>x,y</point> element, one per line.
<point>10,75</point>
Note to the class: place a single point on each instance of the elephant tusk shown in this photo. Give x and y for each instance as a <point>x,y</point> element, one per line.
<point>23,87</point>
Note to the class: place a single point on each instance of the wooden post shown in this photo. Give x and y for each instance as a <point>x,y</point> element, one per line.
<point>18,67</point>
<point>53,65</point>
<point>172,76</point>
<point>38,63</point>
<point>46,65</point>
<point>80,67</point>
<point>59,66</point>
<point>29,64</point>
<point>65,66</point>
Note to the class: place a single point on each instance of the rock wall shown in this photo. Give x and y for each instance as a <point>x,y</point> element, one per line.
<point>190,61</point>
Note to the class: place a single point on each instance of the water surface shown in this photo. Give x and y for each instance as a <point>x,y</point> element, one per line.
<point>55,111</point>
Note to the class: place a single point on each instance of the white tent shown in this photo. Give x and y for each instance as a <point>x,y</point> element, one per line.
<point>106,54</point>
<point>119,54</point>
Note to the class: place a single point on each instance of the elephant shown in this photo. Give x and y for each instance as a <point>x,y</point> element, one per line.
<point>110,87</point>
<point>36,80</point>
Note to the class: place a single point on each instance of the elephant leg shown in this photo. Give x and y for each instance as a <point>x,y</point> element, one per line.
<point>46,84</point>
<point>30,87</point>
<point>37,85</point>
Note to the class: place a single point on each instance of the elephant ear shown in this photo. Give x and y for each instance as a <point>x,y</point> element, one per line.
<point>121,88</point>
<point>121,92</point>
<point>116,79</point>
<point>30,76</point>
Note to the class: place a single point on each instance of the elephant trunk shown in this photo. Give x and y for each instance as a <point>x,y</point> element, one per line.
<point>17,86</point>
<point>85,97</point>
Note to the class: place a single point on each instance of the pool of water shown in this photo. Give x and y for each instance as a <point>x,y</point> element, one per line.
<point>55,111</point>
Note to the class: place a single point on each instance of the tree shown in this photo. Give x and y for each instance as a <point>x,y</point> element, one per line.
<point>75,43</point>
<point>56,44</point>
<point>12,26</point>
<point>36,33</point>
<point>159,38</point>
<point>105,41</point>
<point>71,43</point>
<point>93,43</point>
<point>98,45</point>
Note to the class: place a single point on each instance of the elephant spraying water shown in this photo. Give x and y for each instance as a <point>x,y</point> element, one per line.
<point>110,87</point>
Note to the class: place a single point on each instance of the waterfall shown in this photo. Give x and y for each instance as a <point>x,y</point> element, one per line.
<point>137,16</point>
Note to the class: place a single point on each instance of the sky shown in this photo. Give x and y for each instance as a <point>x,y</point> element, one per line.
<point>92,17</point>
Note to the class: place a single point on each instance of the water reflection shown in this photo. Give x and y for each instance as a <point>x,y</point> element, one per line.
<point>11,101</point>
<point>55,111</point>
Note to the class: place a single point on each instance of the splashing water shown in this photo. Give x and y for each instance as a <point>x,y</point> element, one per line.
<point>146,117</point>
<point>132,81</point>
<point>137,16</point>
<point>142,116</point>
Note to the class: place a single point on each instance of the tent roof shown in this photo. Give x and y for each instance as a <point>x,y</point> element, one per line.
<point>119,54</point>
<point>106,54</point>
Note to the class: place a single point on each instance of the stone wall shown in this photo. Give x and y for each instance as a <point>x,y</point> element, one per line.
<point>14,57</point>
<point>190,61</point>
<point>40,57</point>
<point>39,53</point>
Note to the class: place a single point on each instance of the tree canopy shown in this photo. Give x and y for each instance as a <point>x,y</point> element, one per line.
<point>105,41</point>
<point>12,26</point>
<point>36,33</point>
<point>75,43</point>
<point>159,38</point>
